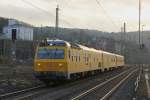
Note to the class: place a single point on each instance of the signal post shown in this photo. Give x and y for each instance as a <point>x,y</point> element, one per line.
<point>13,54</point>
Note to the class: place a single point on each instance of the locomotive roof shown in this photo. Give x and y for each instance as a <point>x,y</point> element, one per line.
<point>58,42</point>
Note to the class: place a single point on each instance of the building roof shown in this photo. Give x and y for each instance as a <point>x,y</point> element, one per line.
<point>16,23</point>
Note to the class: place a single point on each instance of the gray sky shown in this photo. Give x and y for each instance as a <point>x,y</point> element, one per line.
<point>79,13</point>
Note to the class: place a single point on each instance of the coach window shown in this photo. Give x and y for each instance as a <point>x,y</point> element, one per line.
<point>87,59</point>
<point>76,58</point>
<point>79,58</point>
<point>69,54</point>
<point>83,57</point>
<point>72,58</point>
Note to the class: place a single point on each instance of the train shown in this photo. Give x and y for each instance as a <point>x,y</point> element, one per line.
<point>57,60</point>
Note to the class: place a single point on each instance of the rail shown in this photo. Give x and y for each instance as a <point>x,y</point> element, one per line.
<point>102,84</point>
<point>20,91</point>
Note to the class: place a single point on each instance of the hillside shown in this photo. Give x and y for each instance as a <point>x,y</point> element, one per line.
<point>124,44</point>
<point>3,22</point>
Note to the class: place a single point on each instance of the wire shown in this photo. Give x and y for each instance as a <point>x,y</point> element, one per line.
<point>66,6</point>
<point>66,3</point>
<point>46,12</point>
<point>98,2</point>
<point>41,9</point>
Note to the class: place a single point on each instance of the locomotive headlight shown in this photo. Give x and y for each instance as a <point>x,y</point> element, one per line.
<point>60,64</point>
<point>38,64</point>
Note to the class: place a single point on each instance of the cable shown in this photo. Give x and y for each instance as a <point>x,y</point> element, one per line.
<point>43,10</point>
<point>66,6</point>
<point>106,14</point>
<point>66,2</point>
<point>46,12</point>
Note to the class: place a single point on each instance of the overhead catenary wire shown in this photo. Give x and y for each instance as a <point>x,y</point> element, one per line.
<point>67,7</point>
<point>64,21</point>
<point>107,15</point>
<point>34,6</point>
<point>46,12</point>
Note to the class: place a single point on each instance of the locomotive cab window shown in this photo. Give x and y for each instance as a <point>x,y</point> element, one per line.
<point>46,53</point>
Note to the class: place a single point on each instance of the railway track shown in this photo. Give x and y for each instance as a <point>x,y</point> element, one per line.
<point>71,91</point>
<point>65,91</point>
<point>6,95</point>
<point>104,91</point>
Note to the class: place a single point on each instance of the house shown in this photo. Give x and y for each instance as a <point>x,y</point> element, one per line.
<point>21,30</point>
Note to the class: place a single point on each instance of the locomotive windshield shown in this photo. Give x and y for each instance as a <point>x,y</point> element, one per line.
<point>44,53</point>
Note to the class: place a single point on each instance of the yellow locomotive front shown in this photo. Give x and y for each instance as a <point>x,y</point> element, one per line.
<point>51,61</point>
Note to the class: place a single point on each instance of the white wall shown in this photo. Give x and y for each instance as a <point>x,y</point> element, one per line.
<point>23,33</point>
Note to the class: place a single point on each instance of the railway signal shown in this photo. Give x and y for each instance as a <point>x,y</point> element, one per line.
<point>14,33</point>
<point>13,48</point>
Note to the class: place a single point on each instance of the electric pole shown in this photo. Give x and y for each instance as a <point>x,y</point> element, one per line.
<point>121,37</point>
<point>140,23</point>
<point>124,28</point>
<point>124,31</point>
<point>57,21</point>
<point>142,35</point>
